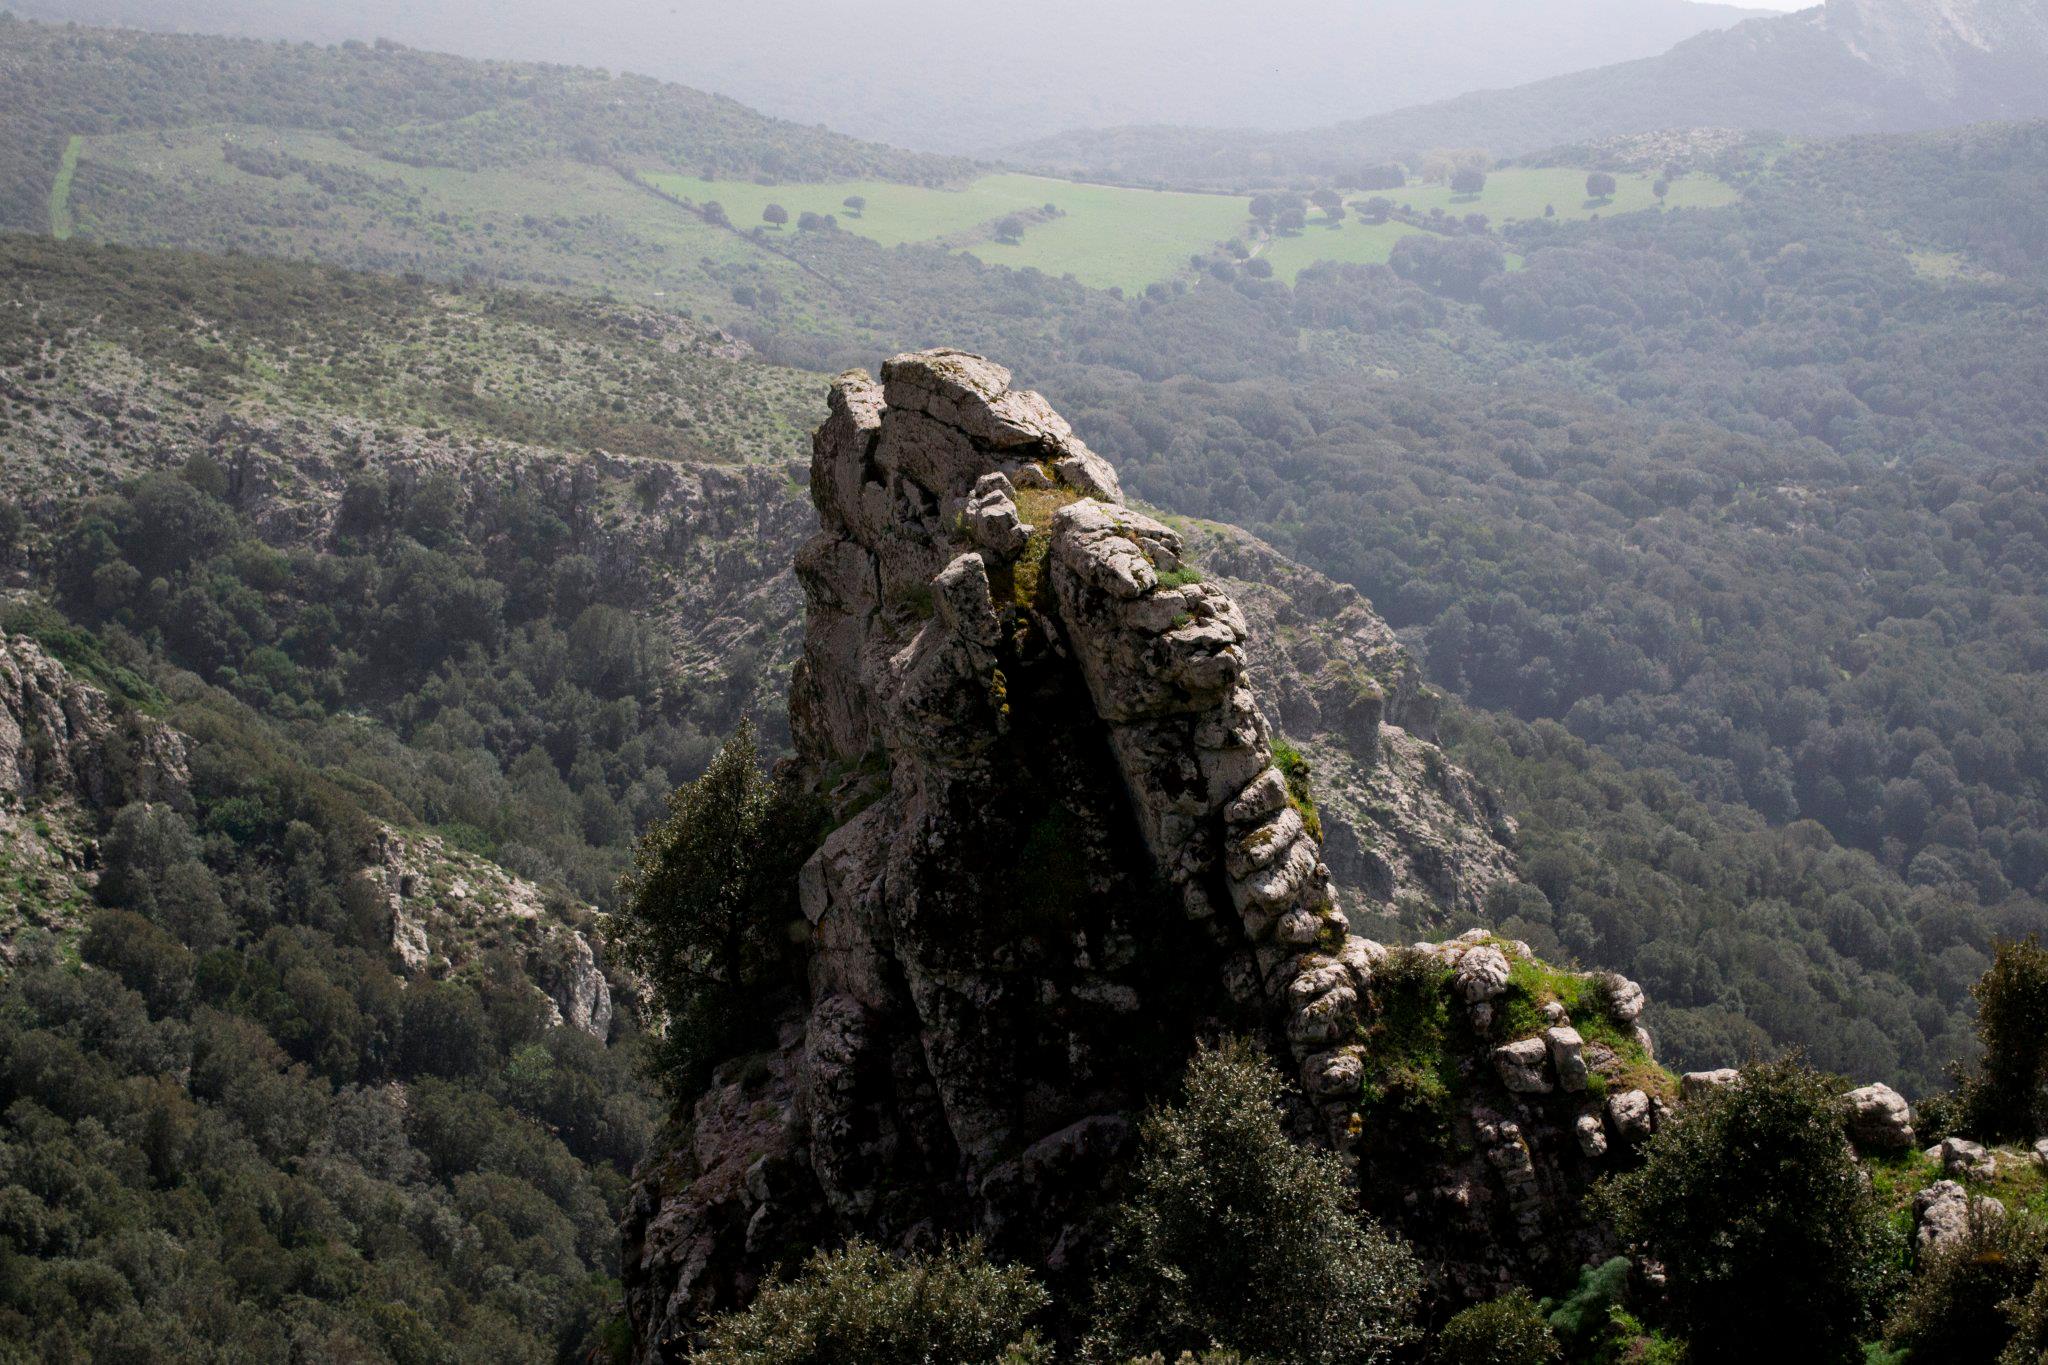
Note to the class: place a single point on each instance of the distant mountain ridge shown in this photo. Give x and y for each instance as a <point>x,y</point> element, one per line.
<point>1853,66</point>
<point>965,79</point>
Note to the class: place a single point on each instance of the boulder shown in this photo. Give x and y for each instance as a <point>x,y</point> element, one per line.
<point>1567,1056</point>
<point>1879,1119</point>
<point>1694,1085</point>
<point>1631,1115</point>
<point>1960,1156</point>
<point>1592,1136</point>
<point>1482,974</point>
<point>1941,1214</point>
<point>1624,997</point>
<point>1522,1066</point>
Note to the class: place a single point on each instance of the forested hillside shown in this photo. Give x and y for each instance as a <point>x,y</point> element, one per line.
<point>345,674</point>
<point>392,103</point>
<point>1725,524</point>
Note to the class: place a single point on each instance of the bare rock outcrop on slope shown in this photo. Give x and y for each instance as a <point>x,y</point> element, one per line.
<point>1066,851</point>
<point>68,752</point>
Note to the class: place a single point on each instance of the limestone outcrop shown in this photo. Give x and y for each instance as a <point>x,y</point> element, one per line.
<point>1067,847</point>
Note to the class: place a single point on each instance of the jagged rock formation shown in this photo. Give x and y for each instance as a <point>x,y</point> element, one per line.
<point>67,751</point>
<point>1066,851</point>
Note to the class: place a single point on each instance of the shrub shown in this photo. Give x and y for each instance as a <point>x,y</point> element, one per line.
<point>1508,1331</point>
<point>863,1304</point>
<point>706,910</point>
<point>2004,1099</point>
<point>1754,1203</point>
<point>1237,1237</point>
<point>1956,1307</point>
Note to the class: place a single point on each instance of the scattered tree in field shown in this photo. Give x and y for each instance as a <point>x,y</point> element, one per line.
<point>815,222</point>
<point>863,1304</point>
<point>1291,219</point>
<point>775,215</point>
<point>1010,228</point>
<point>1377,209</point>
<point>1326,199</point>
<point>1755,1205</point>
<point>1236,1236</point>
<point>1600,185</point>
<point>714,213</point>
<point>857,202</point>
<point>1660,188</point>
<point>1262,207</point>
<point>1468,180</point>
<point>1550,210</point>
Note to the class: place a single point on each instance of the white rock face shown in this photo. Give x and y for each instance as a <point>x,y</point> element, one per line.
<point>1482,974</point>
<point>1592,1136</point>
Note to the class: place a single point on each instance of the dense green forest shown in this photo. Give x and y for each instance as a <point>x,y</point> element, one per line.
<point>236,1125</point>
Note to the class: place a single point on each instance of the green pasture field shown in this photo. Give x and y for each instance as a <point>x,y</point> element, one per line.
<point>60,189</point>
<point>1107,236</point>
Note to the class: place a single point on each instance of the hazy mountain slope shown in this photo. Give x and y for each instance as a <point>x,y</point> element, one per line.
<point>967,78</point>
<point>403,107</point>
<point>1870,65</point>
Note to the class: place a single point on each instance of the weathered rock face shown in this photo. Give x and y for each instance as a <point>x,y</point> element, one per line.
<point>68,752</point>
<point>447,906</point>
<point>1067,851</point>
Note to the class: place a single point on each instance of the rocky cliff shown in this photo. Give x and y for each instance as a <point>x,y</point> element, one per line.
<point>68,750</point>
<point>1070,843</point>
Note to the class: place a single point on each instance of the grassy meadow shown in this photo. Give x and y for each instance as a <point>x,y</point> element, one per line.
<point>530,221</point>
<point>1106,236</point>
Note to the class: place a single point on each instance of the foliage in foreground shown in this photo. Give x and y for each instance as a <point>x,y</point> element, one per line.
<point>1236,1236</point>
<point>705,912</point>
<point>862,1304</point>
<point>1510,1330</point>
<point>1963,1302</point>
<point>1754,1204</point>
<point>2004,1100</point>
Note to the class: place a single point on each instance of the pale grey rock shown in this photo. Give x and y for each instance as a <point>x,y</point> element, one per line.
<point>1694,1085</point>
<point>1523,1066</point>
<point>1631,1115</point>
<point>1567,1057</point>
<point>1591,1135</point>
<point>1961,1156</point>
<point>1942,1214</point>
<point>1624,998</point>
<point>1879,1119</point>
<point>1482,974</point>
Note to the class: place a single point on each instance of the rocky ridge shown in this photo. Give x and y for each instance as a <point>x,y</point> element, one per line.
<point>1069,846</point>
